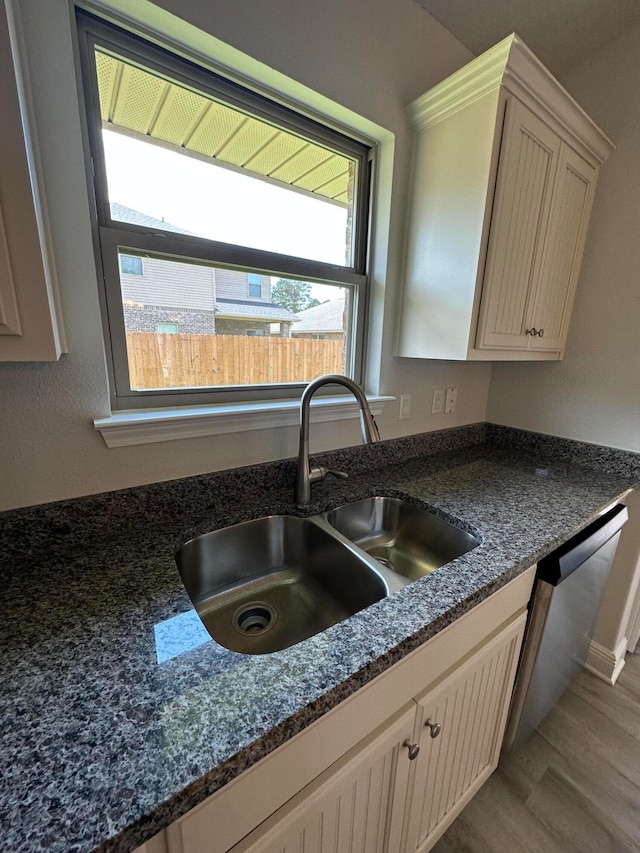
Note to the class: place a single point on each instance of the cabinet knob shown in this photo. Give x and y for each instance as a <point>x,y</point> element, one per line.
<point>413,748</point>
<point>434,728</point>
<point>535,332</point>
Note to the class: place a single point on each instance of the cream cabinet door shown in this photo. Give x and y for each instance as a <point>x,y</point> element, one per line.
<point>356,805</point>
<point>30,325</point>
<point>461,725</point>
<point>522,204</point>
<point>561,252</point>
<point>157,844</point>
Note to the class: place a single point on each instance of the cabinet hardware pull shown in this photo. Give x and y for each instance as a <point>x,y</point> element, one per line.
<point>413,748</point>
<point>532,331</point>
<point>541,333</point>
<point>434,728</point>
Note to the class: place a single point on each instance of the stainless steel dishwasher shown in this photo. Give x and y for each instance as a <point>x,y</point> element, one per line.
<point>562,617</point>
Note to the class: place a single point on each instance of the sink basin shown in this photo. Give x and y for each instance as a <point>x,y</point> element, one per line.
<point>403,537</point>
<point>266,584</point>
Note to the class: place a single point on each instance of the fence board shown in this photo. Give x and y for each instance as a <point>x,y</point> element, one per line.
<point>180,361</point>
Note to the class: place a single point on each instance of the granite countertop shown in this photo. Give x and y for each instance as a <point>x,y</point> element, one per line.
<point>120,713</point>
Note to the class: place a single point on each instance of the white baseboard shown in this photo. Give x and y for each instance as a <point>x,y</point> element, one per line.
<point>606,663</point>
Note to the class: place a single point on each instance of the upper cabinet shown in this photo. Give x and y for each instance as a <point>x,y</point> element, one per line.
<point>30,327</point>
<point>503,175</point>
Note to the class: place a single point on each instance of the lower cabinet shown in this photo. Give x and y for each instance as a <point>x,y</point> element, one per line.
<point>356,805</point>
<point>460,726</point>
<point>399,789</point>
<point>409,751</point>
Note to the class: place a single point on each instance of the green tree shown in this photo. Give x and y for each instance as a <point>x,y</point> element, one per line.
<point>294,295</point>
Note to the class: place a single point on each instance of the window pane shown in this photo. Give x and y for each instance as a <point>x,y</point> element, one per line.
<point>191,325</point>
<point>226,175</point>
<point>130,264</point>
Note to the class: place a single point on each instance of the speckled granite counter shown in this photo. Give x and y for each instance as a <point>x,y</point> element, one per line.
<point>119,714</point>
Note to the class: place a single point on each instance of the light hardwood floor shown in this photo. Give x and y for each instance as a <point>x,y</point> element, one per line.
<point>574,787</point>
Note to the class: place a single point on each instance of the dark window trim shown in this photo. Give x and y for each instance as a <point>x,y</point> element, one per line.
<point>113,235</point>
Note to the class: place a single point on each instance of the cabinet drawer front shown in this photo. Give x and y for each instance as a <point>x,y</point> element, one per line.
<point>528,163</point>
<point>356,805</point>
<point>471,707</point>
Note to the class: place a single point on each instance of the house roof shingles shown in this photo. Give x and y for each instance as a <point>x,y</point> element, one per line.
<point>255,310</point>
<point>326,317</point>
<point>122,213</point>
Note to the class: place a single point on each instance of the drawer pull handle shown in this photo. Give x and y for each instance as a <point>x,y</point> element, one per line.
<point>413,748</point>
<point>434,728</point>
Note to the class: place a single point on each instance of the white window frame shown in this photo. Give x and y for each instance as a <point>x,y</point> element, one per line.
<point>114,235</point>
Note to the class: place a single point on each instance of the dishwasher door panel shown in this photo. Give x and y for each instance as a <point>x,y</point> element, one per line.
<point>561,624</point>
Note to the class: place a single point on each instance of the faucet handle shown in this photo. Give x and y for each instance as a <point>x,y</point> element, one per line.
<point>341,475</point>
<point>320,472</point>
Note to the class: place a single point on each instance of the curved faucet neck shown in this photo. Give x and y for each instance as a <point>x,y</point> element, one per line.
<point>368,428</point>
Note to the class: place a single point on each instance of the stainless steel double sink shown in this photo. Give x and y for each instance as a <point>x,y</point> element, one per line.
<point>263,585</point>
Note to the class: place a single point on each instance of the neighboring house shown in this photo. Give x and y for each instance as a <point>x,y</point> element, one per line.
<point>324,322</point>
<point>166,296</point>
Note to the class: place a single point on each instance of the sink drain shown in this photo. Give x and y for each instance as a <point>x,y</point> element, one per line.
<point>254,618</point>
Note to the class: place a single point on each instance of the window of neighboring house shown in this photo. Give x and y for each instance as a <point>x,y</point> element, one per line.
<point>217,187</point>
<point>255,285</point>
<point>167,328</point>
<point>131,265</point>
<point>255,333</point>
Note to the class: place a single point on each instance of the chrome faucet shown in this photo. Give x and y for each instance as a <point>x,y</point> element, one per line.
<point>305,475</point>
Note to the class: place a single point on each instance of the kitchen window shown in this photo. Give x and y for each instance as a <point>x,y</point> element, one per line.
<point>215,196</point>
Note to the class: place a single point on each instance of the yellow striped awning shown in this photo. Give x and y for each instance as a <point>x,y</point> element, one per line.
<point>140,103</point>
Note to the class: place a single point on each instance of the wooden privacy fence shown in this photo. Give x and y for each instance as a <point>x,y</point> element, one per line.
<point>178,361</point>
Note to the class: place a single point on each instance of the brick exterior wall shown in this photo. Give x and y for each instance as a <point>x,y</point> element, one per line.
<point>146,319</point>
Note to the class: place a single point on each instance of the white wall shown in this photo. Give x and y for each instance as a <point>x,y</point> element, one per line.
<point>594,394</point>
<point>369,56</point>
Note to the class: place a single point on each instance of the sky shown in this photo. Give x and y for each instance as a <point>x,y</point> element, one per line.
<point>222,204</point>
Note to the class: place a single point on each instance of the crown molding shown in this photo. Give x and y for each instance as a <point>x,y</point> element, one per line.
<point>512,66</point>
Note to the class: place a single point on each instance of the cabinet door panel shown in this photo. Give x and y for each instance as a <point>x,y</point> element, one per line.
<point>528,162</point>
<point>562,250</point>
<point>29,323</point>
<point>356,805</point>
<point>471,707</point>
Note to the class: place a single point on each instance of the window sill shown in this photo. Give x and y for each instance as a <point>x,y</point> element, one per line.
<point>126,428</point>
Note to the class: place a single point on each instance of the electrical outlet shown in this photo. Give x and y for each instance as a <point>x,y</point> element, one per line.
<point>437,403</point>
<point>450,400</point>
<point>405,407</point>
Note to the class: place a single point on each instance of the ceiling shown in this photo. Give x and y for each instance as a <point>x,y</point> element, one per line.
<point>562,33</point>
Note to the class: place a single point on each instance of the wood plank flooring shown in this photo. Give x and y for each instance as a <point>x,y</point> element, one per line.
<point>574,787</point>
